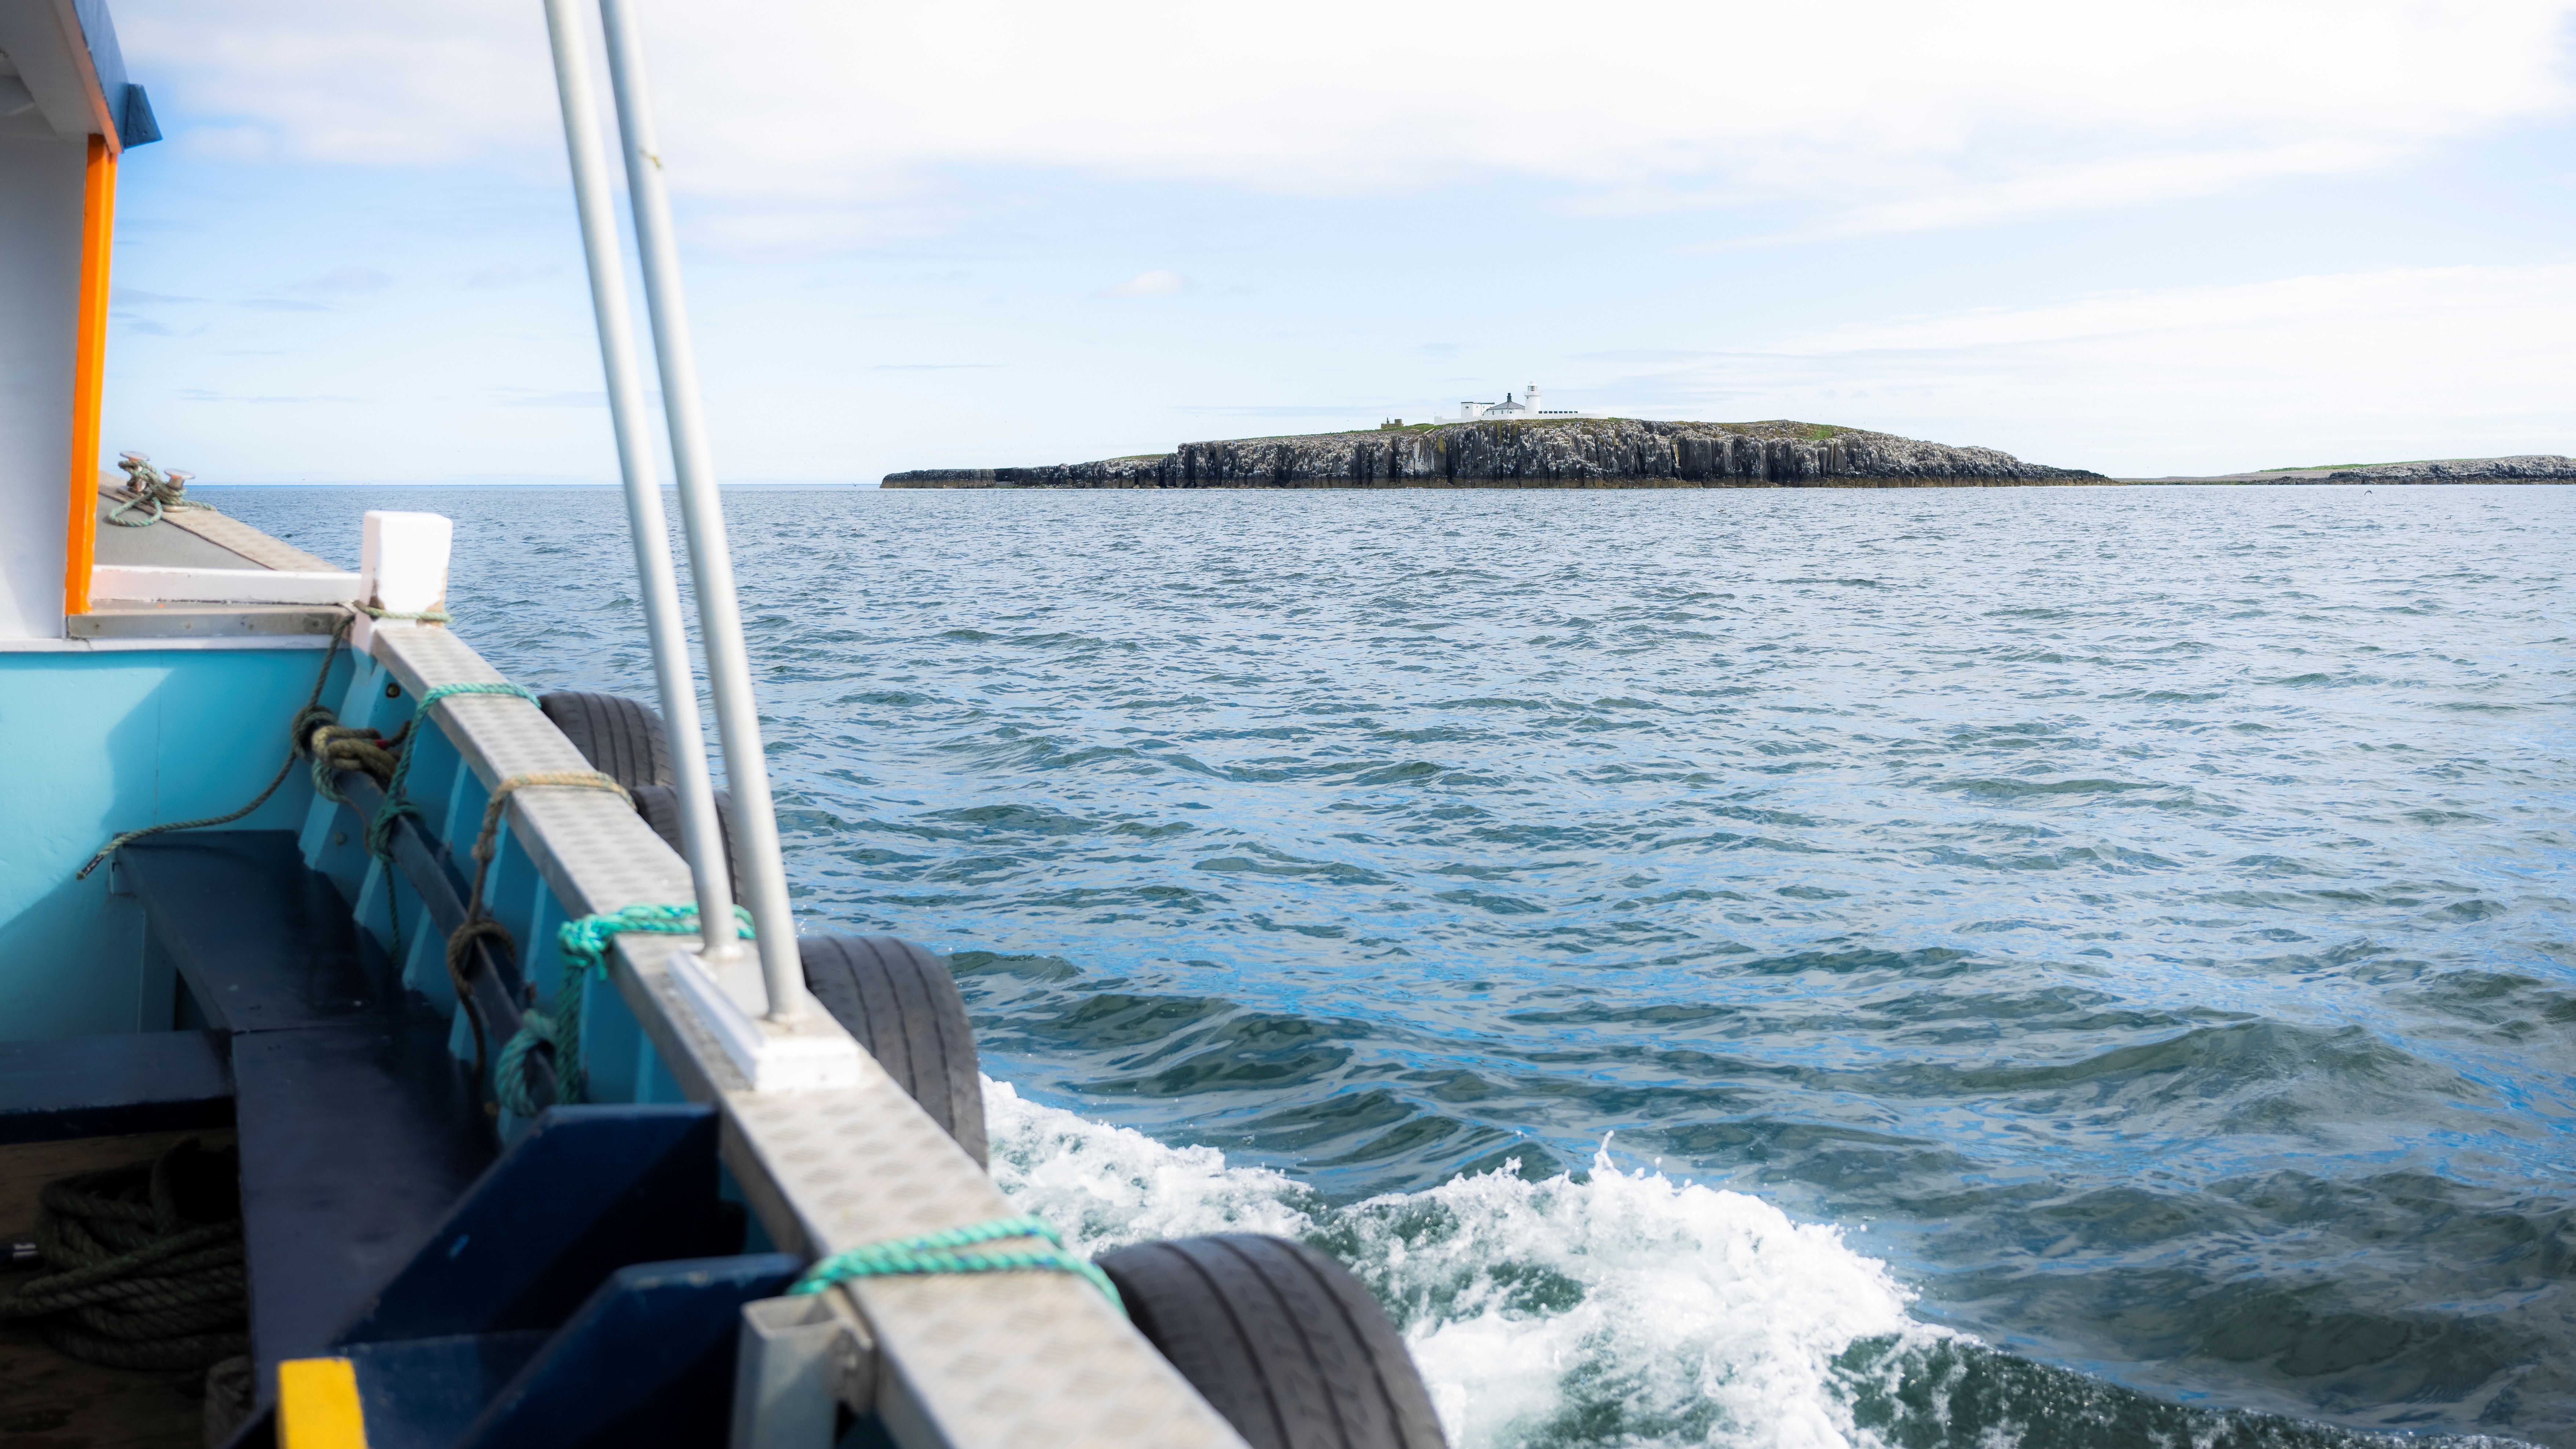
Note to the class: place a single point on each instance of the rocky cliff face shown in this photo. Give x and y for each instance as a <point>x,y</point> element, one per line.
<point>2521,468</point>
<point>1572,453</point>
<point>2525,468</point>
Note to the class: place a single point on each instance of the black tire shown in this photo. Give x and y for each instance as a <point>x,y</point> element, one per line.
<point>660,807</point>
<point>1279,1339</point>
<point>902,1004</point>
<point>622,739</point>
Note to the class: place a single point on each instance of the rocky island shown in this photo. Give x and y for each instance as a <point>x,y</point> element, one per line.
<point>1539,453</point>
<point>2520,468</point>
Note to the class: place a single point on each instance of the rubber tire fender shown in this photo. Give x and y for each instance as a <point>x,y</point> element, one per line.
<point>660,807</point>
<point>902,1004</point>
<point>1280,1339</point>
<point>621,738</point>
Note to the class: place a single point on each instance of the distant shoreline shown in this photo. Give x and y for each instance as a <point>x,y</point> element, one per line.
<point>1635,453</point>
<point>2517,468</point>
<point>1540,453</point>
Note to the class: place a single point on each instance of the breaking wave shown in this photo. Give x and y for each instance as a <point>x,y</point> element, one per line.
<point>1618,1306</point>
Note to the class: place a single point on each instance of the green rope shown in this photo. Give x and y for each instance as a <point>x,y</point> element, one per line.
<point>934,1253</point>
<point>584,942</point>
<point>151,489</point>
<point>143,1264</point>
<point>380,830</point>
<point>479,925</point>
<point>424,616</point>
<point>428,701</point>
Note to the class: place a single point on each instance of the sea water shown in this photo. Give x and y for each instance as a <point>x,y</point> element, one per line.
<point>2056,967</point>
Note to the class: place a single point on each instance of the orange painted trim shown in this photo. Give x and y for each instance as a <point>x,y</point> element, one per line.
<point>89,371</point>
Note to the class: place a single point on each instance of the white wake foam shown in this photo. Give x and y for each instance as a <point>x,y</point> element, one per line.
<point>1625,1308</point>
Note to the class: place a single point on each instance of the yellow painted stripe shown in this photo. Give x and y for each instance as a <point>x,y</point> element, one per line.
<point>317,1405</point>
<point>89,369</point>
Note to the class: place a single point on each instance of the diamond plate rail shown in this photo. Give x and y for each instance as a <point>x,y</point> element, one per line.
<point>990,1361</point>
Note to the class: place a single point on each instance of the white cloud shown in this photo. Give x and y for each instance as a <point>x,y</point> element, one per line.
<point>1151,284</point>
<point>1890,116</point>
<point>2405,363</point>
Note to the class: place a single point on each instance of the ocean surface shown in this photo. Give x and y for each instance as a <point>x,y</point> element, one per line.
<point>2043,967</point>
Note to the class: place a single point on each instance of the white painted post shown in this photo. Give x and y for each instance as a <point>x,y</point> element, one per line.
<point>402,569</point>
<point>701,843</point>
<point>755,824</point>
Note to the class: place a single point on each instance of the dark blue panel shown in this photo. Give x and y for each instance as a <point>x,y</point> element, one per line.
<point>259,1431</point>
<point>135,124</point>
<point>262,942</point>
<point>422,1393</point>
<point>113,1086</point>
<point>432,872</point>
<point>648,1360</point>
<point>355,1141</point>
<point>124,101</point>
<point>586,1191</point>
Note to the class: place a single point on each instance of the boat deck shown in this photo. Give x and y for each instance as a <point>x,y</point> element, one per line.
<point>483,1274</point>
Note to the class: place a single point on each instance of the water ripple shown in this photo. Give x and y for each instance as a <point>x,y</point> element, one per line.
<point>2146,910</point>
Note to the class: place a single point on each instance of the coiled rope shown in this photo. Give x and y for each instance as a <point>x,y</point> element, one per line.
<point>144,1264</point>
<point>936,1253</point>
<point>584,942</point>
<point>333,747</point>
<point>151,489</point>
<point>479,926</point>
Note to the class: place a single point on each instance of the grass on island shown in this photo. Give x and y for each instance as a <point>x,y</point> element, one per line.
<point>1811,432</point>
<point>2399,463</point>
<point>1815,432</point>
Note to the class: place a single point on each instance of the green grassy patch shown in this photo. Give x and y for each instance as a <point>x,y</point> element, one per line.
<point>2400,463</point>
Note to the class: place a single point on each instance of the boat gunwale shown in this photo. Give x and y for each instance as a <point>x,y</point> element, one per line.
<point>978,1360</point>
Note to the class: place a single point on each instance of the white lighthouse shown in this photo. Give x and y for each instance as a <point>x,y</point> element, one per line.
<point>1522,408</point>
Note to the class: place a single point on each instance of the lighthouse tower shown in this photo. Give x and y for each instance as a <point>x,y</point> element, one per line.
<point>1512,409</point>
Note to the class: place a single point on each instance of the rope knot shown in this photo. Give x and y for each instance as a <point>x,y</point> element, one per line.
<point>510,1071</point>
<point>510,1081</point>
<point>935,1253</point>
<point>148,488</point>
<point>312,702</point>
<point>583,942</point>
<point>424,616</point>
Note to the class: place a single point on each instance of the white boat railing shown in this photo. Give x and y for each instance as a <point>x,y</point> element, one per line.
<point>755,824</point>
<point>701,841</point>
<point>978,1361</point>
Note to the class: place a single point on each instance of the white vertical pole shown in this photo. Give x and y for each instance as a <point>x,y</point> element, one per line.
<point>755,825</point>
<point>700,840</point>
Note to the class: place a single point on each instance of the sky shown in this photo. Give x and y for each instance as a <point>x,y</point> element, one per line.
<point>2176,238</point>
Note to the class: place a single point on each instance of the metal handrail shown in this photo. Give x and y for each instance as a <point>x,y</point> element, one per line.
<point>701,842</point>
<point>755,825</point>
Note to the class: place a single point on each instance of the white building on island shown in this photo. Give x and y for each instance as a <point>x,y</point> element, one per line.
<point>1511,409</point>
